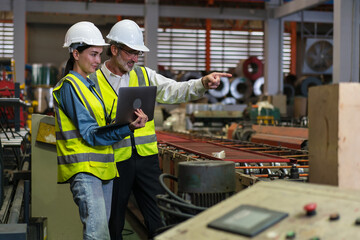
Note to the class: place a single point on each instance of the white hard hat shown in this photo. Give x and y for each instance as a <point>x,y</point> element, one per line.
<point>129,33</point>
<point>84,32</point>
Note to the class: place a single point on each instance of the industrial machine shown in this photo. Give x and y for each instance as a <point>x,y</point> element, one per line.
<point>206,183</point>
<point>264,115</point>
<point>201,184</point>
<point>253,161</point>
<point>14,166</point>
<point>43,79</point>
<point>282,136</point>
<point>187,159</point>
<point>277,210</point>
<point>212,118</point>
<point>15,159</point>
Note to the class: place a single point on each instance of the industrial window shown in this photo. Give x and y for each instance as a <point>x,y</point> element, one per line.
<point>228,47</point>
<point>6,40</point>
<point>184,49</point>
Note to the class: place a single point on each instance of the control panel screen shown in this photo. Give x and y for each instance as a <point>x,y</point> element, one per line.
<point>247,220</point>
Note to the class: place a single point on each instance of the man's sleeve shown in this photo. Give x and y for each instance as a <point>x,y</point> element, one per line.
<point>170,91</point>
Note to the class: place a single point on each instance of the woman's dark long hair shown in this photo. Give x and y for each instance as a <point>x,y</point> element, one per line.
<point>70,63</point>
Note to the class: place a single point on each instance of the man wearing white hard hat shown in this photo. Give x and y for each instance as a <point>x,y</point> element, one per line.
<point>85,153</point>
<point>137,155</point>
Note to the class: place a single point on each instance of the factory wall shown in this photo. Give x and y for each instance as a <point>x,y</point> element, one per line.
<point>45,41</point>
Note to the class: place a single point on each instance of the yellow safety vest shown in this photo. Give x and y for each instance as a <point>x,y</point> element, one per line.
<point>145,138</point>
<point>75,155</point>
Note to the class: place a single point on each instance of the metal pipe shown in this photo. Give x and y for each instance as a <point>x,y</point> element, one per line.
<point>293,156</point>
<point>267,175</point>
<point>207,44</point>
<point>17,106</point>
<point>293,48</point>
<point>16,205</point>
<point>270,167</point>
<point>27,201</point>
<point>6,204</point>
<point>277,151</point>
<point>18,198</point>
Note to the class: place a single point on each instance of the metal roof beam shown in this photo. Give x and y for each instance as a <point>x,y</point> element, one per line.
<point>93,8</point>
<point>118,9</point>
<point>212,13</point>
<point>294,7</point>
<point>6,5</point>
<point>311,16</point>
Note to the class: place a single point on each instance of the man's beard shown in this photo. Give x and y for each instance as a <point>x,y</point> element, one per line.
<point>124,67</point>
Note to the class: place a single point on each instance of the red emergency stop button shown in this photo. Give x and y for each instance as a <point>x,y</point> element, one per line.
<point>310,209</point>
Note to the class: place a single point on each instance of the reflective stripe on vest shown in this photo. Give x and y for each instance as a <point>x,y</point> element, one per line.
<point>139,140</point>
<point>67,135</point>
<point>145,138</point>
<point>85,157</point>
<point>74,154</point>
<point>140,77</point>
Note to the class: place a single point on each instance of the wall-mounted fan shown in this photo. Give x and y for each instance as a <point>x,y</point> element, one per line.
<point>318,57</point>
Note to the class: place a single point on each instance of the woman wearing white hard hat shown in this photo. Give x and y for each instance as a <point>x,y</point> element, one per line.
<point>85,155</point>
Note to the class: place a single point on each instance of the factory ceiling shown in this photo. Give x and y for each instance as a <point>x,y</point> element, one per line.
<point>249,4</point>
<point>225,14</point>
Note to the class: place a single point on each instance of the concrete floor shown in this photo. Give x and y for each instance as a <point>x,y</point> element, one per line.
<point>133,229</point>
